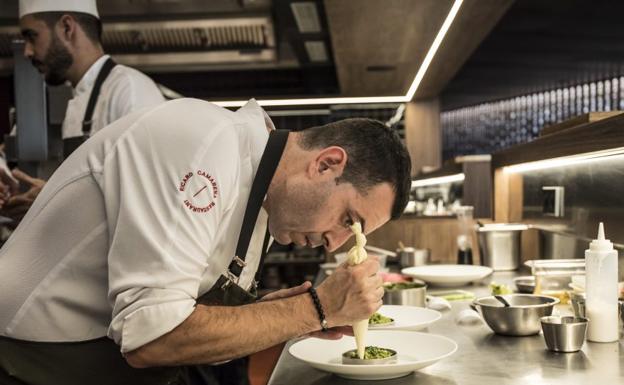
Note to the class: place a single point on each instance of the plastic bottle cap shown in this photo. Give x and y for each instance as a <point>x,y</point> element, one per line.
<point>600,243</point>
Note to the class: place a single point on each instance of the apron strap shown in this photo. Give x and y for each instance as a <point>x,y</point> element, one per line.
<point>87,121</point>
<point>266,169</point>
<point>263,253</point>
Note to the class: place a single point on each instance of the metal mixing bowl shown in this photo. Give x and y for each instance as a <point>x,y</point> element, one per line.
<point>521,318</point>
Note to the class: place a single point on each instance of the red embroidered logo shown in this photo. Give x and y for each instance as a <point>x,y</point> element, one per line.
<point>201,191</point>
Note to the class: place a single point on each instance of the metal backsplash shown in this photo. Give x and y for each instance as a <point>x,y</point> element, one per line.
<point>593,193</point>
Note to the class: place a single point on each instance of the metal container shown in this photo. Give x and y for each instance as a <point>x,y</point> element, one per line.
<point>499,245</point>
<point>415,296</point>
<point>346,359</point>
<point>521,318</point>
<point>410,256</point>
<point>525,284</point>
<point>578,303</point>
<point>564,334</point>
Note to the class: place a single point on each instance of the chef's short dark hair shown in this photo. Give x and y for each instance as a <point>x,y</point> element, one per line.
<point>375,153</point>
<point>91,25</point>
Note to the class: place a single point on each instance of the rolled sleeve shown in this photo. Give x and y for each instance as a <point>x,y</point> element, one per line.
<point>158,248</point>
<point>137,327</point>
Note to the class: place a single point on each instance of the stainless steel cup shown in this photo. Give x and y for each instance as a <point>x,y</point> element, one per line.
<point>564,334</point>
<point>416,296</point>
<point>410,256</point>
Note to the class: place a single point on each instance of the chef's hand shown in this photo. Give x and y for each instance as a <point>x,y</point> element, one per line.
<point>285,293</point>
<point>335,333</point>
<point>17,205</point>
<point>351,293</point>
<point>8,186</point>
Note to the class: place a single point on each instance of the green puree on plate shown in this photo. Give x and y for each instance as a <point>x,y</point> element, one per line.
<point>378,319</point>
<point>372,353</point>
<point>402,285</point>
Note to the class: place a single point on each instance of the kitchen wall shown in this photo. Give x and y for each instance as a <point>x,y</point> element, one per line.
<point>489,127</point>
<point>593,193</point>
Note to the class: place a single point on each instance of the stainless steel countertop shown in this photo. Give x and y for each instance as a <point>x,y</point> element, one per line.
<point>484,358</point>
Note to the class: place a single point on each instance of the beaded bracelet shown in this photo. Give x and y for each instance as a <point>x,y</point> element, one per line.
<point>319,308</point>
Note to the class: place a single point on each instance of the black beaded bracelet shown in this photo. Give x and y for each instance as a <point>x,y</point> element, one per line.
<point>319,308</point>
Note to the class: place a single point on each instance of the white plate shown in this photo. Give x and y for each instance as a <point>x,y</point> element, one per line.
<point>329,267</point>
<point>448,275</point>
<point>407,317</point>
<point>414,351</point>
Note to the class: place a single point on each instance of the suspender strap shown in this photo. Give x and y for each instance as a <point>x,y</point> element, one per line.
<point>95,93</point>
<point>266,169</point>
<point>265,244</point>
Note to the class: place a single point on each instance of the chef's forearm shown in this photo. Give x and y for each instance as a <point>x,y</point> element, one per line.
<point>219,333</point>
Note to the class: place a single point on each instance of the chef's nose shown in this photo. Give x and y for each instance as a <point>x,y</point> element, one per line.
<point>29,51</point>
<point>337,238</point>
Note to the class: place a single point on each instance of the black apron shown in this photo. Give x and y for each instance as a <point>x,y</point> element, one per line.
<point>99,362</point>
<point>71,144</point>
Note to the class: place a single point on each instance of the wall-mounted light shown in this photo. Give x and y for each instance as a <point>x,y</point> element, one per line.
<point>420,74</point>
<point>565,161</point>
<point>438,180</point>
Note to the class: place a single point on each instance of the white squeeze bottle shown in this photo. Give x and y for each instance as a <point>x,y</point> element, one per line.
<point>601,281</point>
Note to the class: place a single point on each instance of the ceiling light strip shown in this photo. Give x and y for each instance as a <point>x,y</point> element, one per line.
<point>565,161</point>
<point>438,180</point>
<point>366,99</point>
<point>433,49</point>
<point>316,101</point>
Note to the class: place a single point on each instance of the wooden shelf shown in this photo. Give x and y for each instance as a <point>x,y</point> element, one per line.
<point>597,136</point>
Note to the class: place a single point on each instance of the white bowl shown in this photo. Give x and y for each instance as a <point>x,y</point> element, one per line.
<point>414,351</point>
<point>448,275</point>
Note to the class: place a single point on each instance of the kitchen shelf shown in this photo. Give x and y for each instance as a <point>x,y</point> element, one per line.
<point>590,137</point>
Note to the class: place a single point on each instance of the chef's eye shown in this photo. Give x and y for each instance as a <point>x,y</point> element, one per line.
<point>349,222</point>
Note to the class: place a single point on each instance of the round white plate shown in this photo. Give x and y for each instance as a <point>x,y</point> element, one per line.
<point>407,317</point>
<point>414,351</point>
<point>448,275</point>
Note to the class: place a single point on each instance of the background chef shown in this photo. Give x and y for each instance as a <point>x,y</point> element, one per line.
<point>63,41</point>
<point>111,255</point>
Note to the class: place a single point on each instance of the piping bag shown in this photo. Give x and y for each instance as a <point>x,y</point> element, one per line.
<point>357,254</point>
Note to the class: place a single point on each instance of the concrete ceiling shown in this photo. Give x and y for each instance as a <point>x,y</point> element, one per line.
<point>375,46</point>
<point>379,45</point>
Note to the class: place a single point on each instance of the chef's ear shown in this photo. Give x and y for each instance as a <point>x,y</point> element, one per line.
<point>331,159</point>
<point>66,28</point>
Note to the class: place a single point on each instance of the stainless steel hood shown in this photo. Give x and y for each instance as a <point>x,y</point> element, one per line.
<point>191,42</point>
<point>184,42</point>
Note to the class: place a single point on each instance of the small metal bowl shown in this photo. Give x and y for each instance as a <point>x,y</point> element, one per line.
<point>347,360</point>
<point>564,334</point>
<point>525,284</point>
<point>522,318</point>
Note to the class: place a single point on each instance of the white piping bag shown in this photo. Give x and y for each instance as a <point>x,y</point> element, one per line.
<point>357,255</point>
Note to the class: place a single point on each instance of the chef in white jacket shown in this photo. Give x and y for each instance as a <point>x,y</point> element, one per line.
<point>149,241</point>
<point>63,41</point>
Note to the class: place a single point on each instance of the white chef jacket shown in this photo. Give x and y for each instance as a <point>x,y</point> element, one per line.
<point>125,90</point>
<point>135,225</point>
